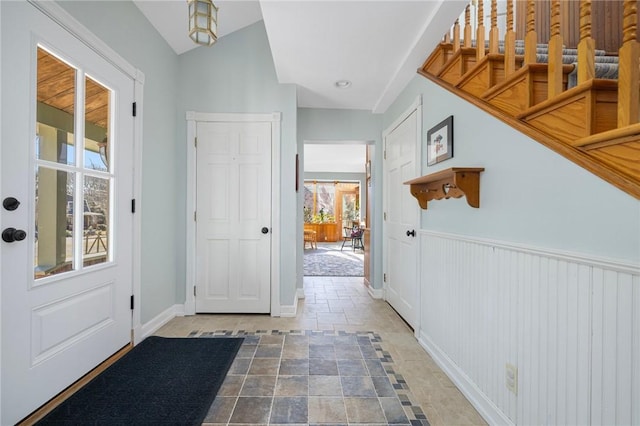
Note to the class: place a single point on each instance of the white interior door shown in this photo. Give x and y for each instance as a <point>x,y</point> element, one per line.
<point>67,158</point>
<point>233,227</point>
<point>402,218</point>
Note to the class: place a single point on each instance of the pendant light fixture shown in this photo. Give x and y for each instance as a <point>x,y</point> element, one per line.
<point>203,22</point>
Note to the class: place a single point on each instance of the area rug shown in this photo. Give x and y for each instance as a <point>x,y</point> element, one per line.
<point>160,381</point>
<point>329,261</point>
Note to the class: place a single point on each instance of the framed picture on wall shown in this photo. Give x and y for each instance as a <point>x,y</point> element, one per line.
<point>440,142</point>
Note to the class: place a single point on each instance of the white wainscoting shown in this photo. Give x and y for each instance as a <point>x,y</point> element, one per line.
<point>569,323</point>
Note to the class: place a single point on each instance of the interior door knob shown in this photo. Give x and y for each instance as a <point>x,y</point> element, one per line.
<point>10,203</point>
<point>10,235</point>
<point>265,230</point>
<point>411,233</point>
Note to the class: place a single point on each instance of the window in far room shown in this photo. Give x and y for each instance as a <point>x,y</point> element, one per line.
<point>332,202</point>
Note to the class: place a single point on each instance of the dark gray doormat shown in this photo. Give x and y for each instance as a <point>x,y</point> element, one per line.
<point>160,381</point>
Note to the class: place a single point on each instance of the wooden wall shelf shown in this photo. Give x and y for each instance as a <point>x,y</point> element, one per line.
<point>455,182</point>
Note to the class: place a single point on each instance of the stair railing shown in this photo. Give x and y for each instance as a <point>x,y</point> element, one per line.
<point>587,45</point>
<point>554,67</point>
<point>509,43</point>
<point>629,68</point>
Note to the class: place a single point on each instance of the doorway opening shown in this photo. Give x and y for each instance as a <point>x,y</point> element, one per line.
<point>333,229</point>
<point>335,209</point>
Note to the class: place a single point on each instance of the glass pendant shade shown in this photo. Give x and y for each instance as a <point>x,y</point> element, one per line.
<point>203,22</point>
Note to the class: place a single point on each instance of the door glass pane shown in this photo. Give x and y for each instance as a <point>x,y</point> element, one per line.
<point>54,222</point>
<point>96,221</point>
<point>95,240</point>
<point>96,115</point>
<point>56,93</point>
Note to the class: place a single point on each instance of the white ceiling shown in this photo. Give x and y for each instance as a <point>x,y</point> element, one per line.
<point>377,45</point>
<point>171,19</point>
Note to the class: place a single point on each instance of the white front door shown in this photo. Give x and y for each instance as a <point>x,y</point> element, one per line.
<point>233,226</point>
<point>401,221</point>
<point>67,184</point>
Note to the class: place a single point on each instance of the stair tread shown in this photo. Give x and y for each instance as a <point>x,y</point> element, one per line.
<point>609,137</point>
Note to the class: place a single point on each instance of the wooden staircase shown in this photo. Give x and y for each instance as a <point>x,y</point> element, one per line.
<point>592,119</point>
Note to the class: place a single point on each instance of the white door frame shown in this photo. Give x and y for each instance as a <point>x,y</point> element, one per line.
<point>192,119</point>
<point>65,20</point>
<point>417,107</point>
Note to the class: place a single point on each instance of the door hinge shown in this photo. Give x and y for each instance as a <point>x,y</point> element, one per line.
<point>194,291</point>
<point>134,109</point>
<point>385,215</point>
<point>132,302</point>
<point>133,205</point>
<point>194,216</point>
<point>384,153</point>
<point>384,277</point>
<point>195,142</point>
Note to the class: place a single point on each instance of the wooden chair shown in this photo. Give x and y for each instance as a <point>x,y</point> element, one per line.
<point>353,234</point>
<point>311,238</point>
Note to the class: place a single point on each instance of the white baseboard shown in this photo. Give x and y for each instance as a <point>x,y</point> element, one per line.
<point>161,319</point>
<point>300,293</point>
<point>290,311</point>
<point>487,409</point>
<point>376,293</point>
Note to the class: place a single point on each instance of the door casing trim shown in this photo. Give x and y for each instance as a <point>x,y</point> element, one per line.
<point>193,118</point>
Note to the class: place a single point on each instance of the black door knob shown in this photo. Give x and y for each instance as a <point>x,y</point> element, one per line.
<point>265,230</point>
<point>10,203</point>
<point>411,233</point>
<point>10,235</point>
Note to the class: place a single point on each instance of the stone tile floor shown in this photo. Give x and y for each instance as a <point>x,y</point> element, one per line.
<point>346,358</point>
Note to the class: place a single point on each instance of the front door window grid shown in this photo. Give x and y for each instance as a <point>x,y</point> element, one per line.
<point>73,176</point>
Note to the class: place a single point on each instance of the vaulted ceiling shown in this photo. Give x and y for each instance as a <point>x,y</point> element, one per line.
<point>375,45</point>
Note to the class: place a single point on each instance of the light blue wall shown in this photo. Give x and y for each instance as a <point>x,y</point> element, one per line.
<point>237,75</point>
<point>317,124</point>
<point>123,27</point>
<point>528,193</point>
<point>323,124</point>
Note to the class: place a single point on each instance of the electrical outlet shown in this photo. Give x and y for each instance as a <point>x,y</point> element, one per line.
<point>511,378</point>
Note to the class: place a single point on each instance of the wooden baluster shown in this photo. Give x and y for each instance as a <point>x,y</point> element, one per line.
<point>467,26</point>
<point>447,38</point>
<point>531,39</point>
<point>554,75</point>
<point>509,43</point>
<point>587,45</point>
<point>480,35</point>
<point>494,34</point>
<point>629,67</point>
<point>456,36</point>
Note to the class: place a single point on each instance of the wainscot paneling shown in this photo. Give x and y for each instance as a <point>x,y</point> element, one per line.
<point>569,324</point>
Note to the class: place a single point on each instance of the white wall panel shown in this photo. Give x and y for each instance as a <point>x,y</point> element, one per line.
<point>635,415</point>
<point>570,324</point>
